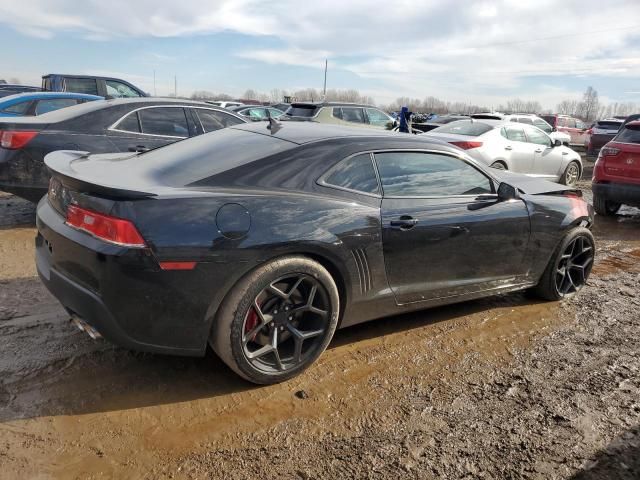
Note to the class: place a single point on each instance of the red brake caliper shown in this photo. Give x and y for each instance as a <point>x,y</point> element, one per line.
<point>252,321</point>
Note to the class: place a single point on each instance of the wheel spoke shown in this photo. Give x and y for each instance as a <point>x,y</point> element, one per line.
<point>274,345</point>
<point>264,321</point>
<point>268,348</point>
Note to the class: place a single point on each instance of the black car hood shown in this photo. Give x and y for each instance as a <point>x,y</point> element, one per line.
<point>532,185</point>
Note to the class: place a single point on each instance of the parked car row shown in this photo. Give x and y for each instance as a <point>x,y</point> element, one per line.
<point>107,126</point>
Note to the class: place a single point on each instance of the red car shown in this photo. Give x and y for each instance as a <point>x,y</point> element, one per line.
<point>574,127</point>
<point>616,174</point>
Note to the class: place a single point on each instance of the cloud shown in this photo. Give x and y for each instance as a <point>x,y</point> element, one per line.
<point>404,47</point>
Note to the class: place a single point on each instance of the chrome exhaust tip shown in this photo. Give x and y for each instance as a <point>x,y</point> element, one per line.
<point>85,327</point>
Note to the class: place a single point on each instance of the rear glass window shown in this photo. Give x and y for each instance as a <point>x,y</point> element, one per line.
<point>207,156</point>
<point>301,111</point>
<point>608,125</point>
<point>18,108</point>
<point>629,134</point>
<point>81,85</point>
<point>465,127</point>
<point>550,119</point>
<point>355,173</point>
<point>45,106</point>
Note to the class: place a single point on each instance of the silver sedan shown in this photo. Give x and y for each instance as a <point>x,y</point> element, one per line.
<point>512,146</point>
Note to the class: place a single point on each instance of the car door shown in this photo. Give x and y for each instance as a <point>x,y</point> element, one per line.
<point>150,127</point>
<point>547,159</point>
<point>517,149</point>
<point>445,233</point>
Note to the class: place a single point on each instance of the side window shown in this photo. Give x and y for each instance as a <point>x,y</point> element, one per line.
<point>377,117</point>
<point>353,114</point>
<point>536,136</point>
<point>337,112</point>
<point>130,123</point>
<point>18,108</point>
<point>81,85</point>
<point>542,125</point>
<point>120,90</point>
<point>165,121</point>
<point>561,122</point>
<point>213,120</point>
<point>526,120</point>
<point>355,173</point>
<point>256,113</point>
<point>571,122</point>
<point>413,174</point>
<point>514,133</point>
<point>50,105</point>
<point>275,112</point>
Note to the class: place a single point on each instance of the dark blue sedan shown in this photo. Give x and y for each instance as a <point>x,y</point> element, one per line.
<point>37,103</point>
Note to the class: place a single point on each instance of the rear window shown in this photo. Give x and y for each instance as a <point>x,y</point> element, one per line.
<point>550,119</point>
<point>207,155</point>
<point>629,134</point>
<point>301,111</point>
<point>465,127</point>
<point>608,125</point>
<point>18,108</point>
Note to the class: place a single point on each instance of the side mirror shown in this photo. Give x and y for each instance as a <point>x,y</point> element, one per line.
<point>557,143</point>
<point>507,192</point>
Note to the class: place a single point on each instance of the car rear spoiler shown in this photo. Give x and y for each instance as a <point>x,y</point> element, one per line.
<point>60,164</point>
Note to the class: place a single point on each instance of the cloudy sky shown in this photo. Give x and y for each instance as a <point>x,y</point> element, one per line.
<point>460,50</point>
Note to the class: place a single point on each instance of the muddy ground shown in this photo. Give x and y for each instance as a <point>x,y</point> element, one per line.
<point>497,388</point>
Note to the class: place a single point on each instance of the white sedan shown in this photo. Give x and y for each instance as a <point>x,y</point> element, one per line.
<point>513,146</point>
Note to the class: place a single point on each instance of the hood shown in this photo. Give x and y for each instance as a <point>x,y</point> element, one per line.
<point>531,185</point>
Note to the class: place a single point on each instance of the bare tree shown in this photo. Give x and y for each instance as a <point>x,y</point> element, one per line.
<point>250,94</point>
<point>588,108</point>
<point>15,81</point>
<point>567,107</point>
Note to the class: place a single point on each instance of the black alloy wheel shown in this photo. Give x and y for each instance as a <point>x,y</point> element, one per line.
<point>569,267</point>
<point>286,323</point>
<point>574,266</point>
<point>277,320</point>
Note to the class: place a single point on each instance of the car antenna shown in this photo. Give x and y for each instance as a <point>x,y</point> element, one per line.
<point>274,125</point>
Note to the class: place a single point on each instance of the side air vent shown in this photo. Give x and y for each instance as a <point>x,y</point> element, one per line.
<point>364,274</point>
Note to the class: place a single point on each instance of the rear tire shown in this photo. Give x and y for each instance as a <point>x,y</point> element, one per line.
<point>499,165</point>
<point>569,267</point>
<point>605,207</point>
<point>571,174</point>
<point>277,320</point>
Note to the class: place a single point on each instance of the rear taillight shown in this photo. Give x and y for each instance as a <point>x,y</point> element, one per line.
<point>466,145</point>
<point>107,228</point>
<point>609,151</point>
<point>13,139</point>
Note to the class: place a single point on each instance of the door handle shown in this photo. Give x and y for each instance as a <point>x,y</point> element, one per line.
<point>538,150</point>
<point>139,149</point>
<point>508,147</point>
<point>565,153</point>
<point>405,222</point>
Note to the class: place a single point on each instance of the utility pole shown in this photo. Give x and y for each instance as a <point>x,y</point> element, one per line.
<point>175,86</point>
<point>155,94</point>
<point>324,90</point>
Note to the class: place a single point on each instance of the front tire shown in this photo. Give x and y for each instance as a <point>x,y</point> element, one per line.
<point>604,207</point>
<point>277,320</point>
<point>569,266</point>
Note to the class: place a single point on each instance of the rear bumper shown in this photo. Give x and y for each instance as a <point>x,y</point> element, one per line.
<point>22,176</point>
<point>120,294</point>
<point>596,142</point>
<point>629,194</point>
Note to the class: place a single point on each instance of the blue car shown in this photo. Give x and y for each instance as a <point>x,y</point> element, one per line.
<point>37,103</point>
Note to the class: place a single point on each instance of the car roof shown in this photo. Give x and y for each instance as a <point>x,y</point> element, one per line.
<point>332,104</point>
<point>68,113</point>
<point>41,95</point>
<point>308,132</point>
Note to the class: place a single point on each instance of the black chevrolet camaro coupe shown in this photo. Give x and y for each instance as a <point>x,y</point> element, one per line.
<point>119,125</point>
<point>262,241</point>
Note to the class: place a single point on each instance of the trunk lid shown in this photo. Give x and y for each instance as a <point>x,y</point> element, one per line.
<point>625,166</point>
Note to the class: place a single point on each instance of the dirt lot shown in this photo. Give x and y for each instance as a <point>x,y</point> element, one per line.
<point>497,388</point>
